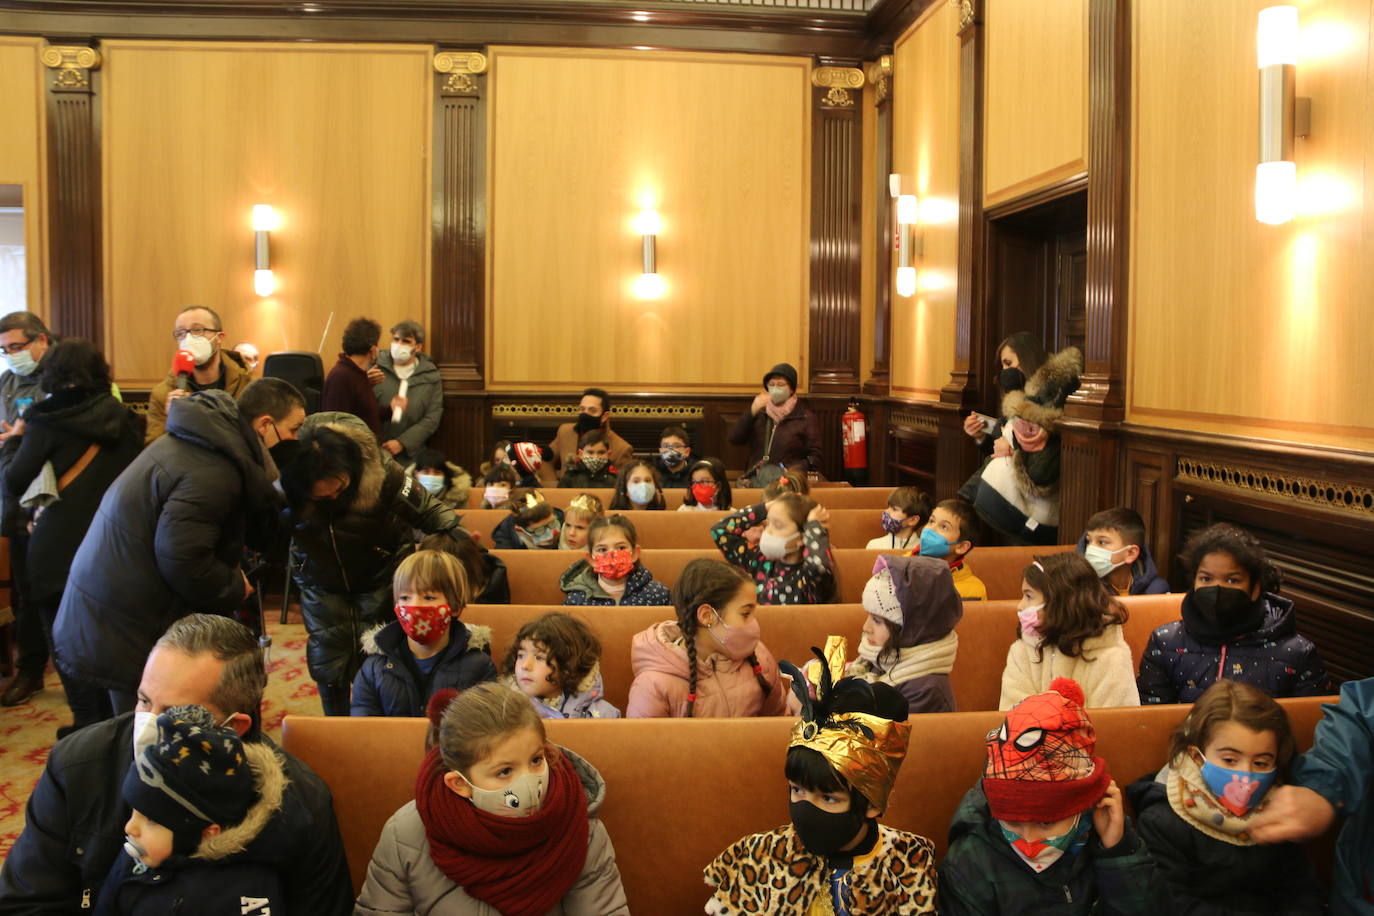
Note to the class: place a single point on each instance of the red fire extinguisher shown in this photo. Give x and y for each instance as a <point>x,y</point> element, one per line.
<point>854,433</point>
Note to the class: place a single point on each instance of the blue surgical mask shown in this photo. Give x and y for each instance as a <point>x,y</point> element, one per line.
<point>1238,790</point>
<point>933,544</point>
<point>640,492</point>
<point>1100,559</point>
<point>21,363</point>
<point>434,483</point>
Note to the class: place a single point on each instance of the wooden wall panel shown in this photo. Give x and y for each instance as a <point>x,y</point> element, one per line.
<point>1238,326</point>
<point>336,137</point>
<point>581,140</point>
<point>23,134</point>
<point>925,151</point>
<point>1036,113</point>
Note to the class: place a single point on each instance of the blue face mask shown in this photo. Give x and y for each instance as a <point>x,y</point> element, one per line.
<point>434,483</point>
<point>640,492</point>
<point>1238,790</point>
<point>892,525</point>
<point>933,544</point>
<point>21,363</point>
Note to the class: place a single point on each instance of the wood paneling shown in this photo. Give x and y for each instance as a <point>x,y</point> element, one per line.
<point>581,140</point>
<point>23,145</point>
<point>335,137</point>
<point>1036,116</point>
<point>1238,326</point>
<point>925,152</point>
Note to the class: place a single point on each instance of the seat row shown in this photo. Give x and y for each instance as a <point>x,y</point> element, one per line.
<point>831,497</point>
<point>789,632</point>
<point>533,574</point>
<point>680,790</point>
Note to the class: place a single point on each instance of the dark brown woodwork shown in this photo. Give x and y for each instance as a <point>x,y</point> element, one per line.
<point>74,213</point>
<point>889,20</point>
<point>459,230</point>
<point>836,312</point>
<point>879,380</point>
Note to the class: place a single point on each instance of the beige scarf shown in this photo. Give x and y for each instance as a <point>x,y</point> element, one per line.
<point>1193,801</point>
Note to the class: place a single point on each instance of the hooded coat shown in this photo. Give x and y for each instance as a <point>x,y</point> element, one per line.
<point>981,874</point>
<point>60,430</point>
<point>1177,667</point>
<point>390,683</point>
<point>234,377</point>
<point>582,586</point>
<point>927,644</point>
<point>424,406</point>
<point>725,688</point>
<point>455,495</point>
<point>166,541</point>
<point>402,877</point>
<point>343,560</point>
<point>1145,577</point>
<point>225,870</point>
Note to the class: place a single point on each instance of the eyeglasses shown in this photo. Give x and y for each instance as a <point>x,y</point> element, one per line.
<point>19,347</point>
<point>180,333</point>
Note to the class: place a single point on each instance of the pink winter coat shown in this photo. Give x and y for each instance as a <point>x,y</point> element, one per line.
<point>725,688</point>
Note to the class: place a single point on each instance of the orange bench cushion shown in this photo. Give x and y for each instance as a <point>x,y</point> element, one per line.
<point>832,497</point>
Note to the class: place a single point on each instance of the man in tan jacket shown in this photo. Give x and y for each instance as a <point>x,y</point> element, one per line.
<point>199,331</point>
<point>596,412</point>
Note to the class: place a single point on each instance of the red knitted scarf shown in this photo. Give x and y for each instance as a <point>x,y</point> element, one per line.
<point>522,866</point>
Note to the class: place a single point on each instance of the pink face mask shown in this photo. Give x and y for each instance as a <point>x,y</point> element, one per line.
<point>1030,620</point>
<point>738,642</point>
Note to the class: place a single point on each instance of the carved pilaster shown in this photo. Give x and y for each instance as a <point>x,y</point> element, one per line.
<point>879,75</point>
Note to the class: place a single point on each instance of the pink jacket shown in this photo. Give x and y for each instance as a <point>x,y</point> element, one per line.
<point>725,688</point>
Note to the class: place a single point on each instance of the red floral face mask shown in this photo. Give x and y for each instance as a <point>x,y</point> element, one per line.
<point>614,564</point>
<point>704,494</point>
<point>424,623</point>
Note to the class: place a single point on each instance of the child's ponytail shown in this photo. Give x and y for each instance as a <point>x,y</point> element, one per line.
<point>705,581</point>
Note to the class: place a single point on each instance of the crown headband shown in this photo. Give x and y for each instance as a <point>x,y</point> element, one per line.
<point>588,503</point>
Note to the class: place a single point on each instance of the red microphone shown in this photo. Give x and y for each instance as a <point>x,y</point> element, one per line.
<point>183,364</point>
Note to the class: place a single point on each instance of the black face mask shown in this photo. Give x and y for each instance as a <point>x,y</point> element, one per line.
<point>1011,379</point>
<point>283,452</point>
<point>586,423</point>
<point>1216,614</point>
<point>824,833</point>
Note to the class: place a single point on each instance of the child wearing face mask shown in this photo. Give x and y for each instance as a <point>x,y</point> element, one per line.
<point>498,485</point>
<point>592,469</point>
<point>1070,627</point>
<point>834,857</point>
<point>426,648</point>
<point>637,486</point>
<point>577,521</point>
<point>674,457</point>
<point>791,563</point>
<point>441,478</point>
<point>950,536</point>
<point>533,523</point>
<point>1114,543</point>
<point>612,573</point>
<point>907,510</point>
<point>708,661</point>
<point>502,822</point>
<point>708,489</point>
<point>199,833</point>
<point>1234,746</point>
<point>555,661</point>
<point>1044,830</point>
<point>1235,625</point>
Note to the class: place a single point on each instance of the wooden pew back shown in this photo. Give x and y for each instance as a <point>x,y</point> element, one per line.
<point>874,498</point>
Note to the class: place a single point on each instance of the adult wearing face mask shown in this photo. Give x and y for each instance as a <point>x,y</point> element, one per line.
<point>422,407</point>
<point>26,341</point>
<point>780,430</point>
<point>1018,358</point>
<point>169,535</point>
<point>199,331</point>
<point>353,516</point>
<point>348,386</point>
<point>74,823</point>
<point>594,412</point>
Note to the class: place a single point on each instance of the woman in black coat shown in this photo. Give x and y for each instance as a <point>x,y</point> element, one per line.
<point>80,428</point>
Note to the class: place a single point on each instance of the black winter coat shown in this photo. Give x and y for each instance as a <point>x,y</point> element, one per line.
<point>1209,877</point>
<point>497,590</point>
<point>343,556</point>
<point>74,829</point>
<point>166,541</point>
<point>796,441</point>
<point>60,430</point>
<point>390,683</point>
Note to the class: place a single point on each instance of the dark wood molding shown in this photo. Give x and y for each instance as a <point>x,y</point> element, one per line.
<point>1066,187</point>
<point>836,312</point>
<point>459,216</point>
<point>890,19</point>
<point>879,380</point>
<point>74,181</point>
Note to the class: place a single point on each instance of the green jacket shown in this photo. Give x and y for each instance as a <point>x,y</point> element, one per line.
<point>982,874</point>
<point>424,404</point>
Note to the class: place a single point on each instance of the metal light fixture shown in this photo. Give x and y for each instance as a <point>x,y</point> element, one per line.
<point>908,215</point>
<point>264,221</point>
<point>649,285</point>
<point>1282,116</point>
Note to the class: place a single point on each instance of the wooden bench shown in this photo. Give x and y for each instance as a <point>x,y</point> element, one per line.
<point>985,633</point>
<point>680,790</point>
<point>534,574</point>
<point>874,498</point>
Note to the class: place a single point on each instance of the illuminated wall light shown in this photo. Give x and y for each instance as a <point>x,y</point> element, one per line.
<point>1276,175</point>
<point>906,282</point>
<point>264,221</point>
<point>649,285</point>
<point>908,213</point>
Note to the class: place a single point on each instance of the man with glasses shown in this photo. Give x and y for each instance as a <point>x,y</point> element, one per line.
<point>25,340</point>
<point>198,331</point>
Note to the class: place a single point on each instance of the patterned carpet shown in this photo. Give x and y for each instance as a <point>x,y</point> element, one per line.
<point>27,731</point>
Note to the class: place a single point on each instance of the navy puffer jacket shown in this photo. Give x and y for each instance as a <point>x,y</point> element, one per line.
<point>390,684</point>
<point>1177,668</point>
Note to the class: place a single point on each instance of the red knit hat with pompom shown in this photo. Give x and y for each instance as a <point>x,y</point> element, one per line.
<point>1041,765</point>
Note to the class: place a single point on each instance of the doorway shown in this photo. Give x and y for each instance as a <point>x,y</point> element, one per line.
<point>14,293</point>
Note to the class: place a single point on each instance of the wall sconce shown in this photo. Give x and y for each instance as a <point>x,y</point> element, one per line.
<point>908,214</point>
<point>264,221</point>
<point>649,285</point>
<point>1282,116</point>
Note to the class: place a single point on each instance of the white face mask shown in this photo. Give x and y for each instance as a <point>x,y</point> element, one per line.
<point>21,363</point>
<point>145,731</point>
<point>401,353</point>
<point>1100,559</point>
<point>200,348</point>
<point>519,799</point>
<point>773,546</point>
<point>640,492</point>
<point>779,393</point>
